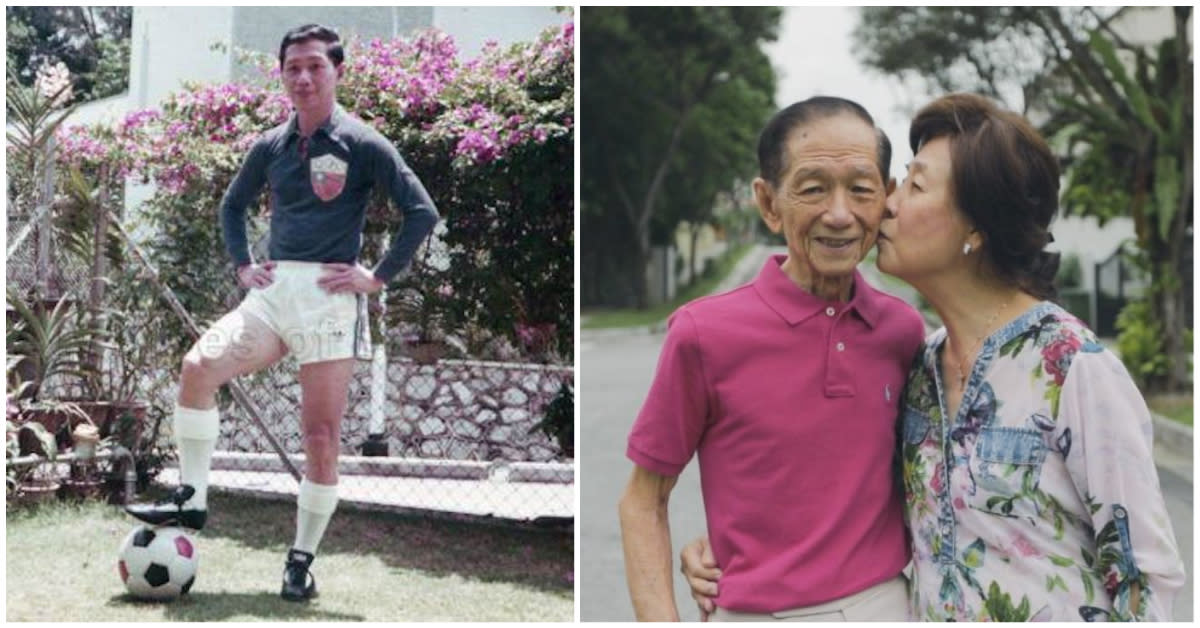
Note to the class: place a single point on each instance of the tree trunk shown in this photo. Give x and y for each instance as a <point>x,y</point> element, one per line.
<point>641,221</point>
<point>1170,306</point>
<point>637,270</point>
<point>695,233</point>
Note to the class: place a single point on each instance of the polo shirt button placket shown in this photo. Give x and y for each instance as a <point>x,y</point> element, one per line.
<point>835,373</point>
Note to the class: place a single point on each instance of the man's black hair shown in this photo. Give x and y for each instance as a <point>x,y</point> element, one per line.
<point>309,32</point>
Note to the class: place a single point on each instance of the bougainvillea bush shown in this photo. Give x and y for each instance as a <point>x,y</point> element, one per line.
<point>491,138</point>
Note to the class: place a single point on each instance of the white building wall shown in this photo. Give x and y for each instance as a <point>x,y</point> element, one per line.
<point>1093,244</point>
<point>472,27</point>
<point>171,45</point>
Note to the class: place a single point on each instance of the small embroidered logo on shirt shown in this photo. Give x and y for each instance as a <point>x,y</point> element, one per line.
<point>887,392</point>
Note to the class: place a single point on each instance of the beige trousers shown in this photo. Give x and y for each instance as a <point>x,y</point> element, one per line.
<point>886,601</point>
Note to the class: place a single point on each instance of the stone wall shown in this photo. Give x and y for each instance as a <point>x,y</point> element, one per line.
<point>452,410</point>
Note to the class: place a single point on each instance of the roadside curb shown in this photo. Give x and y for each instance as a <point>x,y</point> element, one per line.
<point>617,332</point>
<point>742,272</point>
<point>1173,448</point>
<point>1172,436</point>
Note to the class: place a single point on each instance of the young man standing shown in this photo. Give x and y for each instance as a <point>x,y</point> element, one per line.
<point>308,299</point>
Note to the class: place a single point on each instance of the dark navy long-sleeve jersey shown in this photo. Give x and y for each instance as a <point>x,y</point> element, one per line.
<point>319,191</point>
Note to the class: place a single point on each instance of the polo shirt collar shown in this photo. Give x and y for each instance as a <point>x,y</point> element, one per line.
<point>329,128</point>
<point>794,305</point>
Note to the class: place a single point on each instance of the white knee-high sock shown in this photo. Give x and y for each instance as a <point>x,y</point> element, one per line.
<point>314,507</point>
<point>196,435</point>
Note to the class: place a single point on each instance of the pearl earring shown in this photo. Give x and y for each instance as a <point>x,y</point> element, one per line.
<point>967,248</point>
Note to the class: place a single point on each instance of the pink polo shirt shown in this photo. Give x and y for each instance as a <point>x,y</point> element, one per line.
<point>791,403</point>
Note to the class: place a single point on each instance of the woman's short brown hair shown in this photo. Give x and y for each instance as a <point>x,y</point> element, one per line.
<point>1004,178</point>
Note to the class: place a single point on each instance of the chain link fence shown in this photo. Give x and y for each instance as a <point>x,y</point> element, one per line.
<point>453,436</point>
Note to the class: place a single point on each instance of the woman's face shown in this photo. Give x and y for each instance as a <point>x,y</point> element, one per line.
<point>923,231</point>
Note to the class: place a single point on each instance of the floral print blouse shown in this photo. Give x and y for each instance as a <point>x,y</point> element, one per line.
<point>1040,499</point>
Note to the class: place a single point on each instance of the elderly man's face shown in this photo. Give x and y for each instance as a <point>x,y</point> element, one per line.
<point>830,198</point>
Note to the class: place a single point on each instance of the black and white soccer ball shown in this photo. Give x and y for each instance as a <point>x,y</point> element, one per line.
<point>158,563</point>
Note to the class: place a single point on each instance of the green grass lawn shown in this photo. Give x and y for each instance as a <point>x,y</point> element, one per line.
<point>1175,407</point>
<point>601,319</point>
<point>62,566</point>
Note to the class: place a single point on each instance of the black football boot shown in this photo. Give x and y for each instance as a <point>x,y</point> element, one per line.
<point>170,511</point>
<point>299,585</point>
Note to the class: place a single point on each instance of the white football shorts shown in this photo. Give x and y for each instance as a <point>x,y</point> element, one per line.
<point>314,325</point>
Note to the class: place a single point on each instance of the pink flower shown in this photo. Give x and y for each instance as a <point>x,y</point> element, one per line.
<point>478,147</point>
<point>1023,546</point>
<point>935,482</point>
<point>1056,357</point>
<point>1111,582</point>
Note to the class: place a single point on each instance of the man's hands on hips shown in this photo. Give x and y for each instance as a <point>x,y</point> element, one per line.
<point>256,275</point>
<point>348,278</point>
<point>700,568</point>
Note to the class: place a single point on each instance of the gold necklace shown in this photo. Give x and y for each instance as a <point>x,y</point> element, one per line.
<point>962,362</point>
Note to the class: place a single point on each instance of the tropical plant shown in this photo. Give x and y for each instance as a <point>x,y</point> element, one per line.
<point>559,420</point>
<point>44,345</point>
<point>34,116</point>
<point>1139,341</point>
<point>1134,156</point>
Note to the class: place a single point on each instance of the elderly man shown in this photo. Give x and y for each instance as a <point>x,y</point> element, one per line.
<point>787,388</point>
<point>306,300</point>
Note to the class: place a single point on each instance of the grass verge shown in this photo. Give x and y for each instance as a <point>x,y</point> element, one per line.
<point>1178,408</point>
<point>603,319</point>
<point>62,566</point>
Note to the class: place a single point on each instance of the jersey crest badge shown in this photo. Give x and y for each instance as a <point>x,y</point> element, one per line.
<point>328,176</point>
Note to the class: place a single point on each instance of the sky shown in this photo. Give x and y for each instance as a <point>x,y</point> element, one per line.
<point>813,56</point>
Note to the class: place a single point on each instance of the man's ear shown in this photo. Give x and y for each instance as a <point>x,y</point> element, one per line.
<point>891,186</point>
<point>764,196</point>
<point>341,70</point>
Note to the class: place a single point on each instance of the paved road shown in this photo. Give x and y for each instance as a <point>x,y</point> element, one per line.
<point>617,372</point>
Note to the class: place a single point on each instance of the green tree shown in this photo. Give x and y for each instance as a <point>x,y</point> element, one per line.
<point>717,152</point>
<point>646,75</point>
<point>1119,113</point>
<point>93,42</point>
